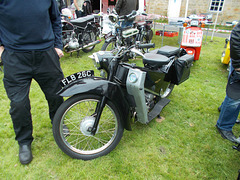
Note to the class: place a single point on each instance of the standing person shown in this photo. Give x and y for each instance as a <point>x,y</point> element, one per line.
<point>87,7</point>
<point>125,7</point>
<point>231,105</point>
<point>79,7</point>
<point>61,5</point>
<point>30,48</point>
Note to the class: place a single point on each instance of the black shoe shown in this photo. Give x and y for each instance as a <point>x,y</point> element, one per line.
<point>238,121</point>
<point>25,154</point>
<point>228,135</point>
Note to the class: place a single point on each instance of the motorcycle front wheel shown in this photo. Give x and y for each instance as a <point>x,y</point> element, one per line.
<point>74,120</point>
<point>110,46</point>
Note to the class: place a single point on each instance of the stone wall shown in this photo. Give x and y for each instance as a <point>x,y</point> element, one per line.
<point>231,9</point>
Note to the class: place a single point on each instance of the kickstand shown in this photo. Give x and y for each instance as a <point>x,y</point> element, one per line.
<point>236,147</point>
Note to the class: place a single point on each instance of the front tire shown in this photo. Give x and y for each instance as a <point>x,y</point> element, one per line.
<point>78,115</point>
<point>110,46</point>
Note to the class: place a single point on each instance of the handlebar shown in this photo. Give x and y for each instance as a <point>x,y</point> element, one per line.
<point>124,50</point>
<point>114,17</point>
<point>132,15</point>
<point>149,45</point>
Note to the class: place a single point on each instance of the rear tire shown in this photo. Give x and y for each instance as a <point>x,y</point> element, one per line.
<point>88,37</point>
<point>165,92</point>
<point>78,115</point>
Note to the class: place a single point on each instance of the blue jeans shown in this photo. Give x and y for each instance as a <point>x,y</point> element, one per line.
<point>126,24</point>
<point>229,114</point>
<point>229,111</point>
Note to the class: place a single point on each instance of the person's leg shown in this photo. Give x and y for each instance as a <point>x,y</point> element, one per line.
<point>228,114</point>
<point>77,13</point>
<point>48,74</point>
<point>17,80</point>
<point>126,24</point>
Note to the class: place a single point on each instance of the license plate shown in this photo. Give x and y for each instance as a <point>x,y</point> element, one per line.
<point>76,76</point>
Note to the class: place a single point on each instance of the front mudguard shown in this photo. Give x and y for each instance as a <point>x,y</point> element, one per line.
<point>101,87</point>
<point>110,39</point>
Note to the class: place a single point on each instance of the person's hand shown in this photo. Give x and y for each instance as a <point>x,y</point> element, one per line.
<point>59,52</point>
<point>237,69</point>
<point>1,51</point>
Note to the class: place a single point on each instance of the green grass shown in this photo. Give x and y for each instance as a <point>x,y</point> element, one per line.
<point>185,145</point>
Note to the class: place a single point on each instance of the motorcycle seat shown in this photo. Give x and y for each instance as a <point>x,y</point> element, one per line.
<point>155,60</point>
<point>82,20</point>
<point>167,51</point>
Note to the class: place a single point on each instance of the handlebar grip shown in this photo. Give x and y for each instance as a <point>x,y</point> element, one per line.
<point>149,45</point>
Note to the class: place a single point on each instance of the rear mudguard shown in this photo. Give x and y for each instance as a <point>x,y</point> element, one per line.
<point>101,87</point>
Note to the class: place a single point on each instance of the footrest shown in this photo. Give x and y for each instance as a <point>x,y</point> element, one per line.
<point>157,108</point>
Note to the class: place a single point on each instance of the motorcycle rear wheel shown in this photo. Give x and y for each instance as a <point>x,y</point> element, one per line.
<point>167,90</point>
<point>78,115</point>
<point>144,40</point>
<point>88,37</point>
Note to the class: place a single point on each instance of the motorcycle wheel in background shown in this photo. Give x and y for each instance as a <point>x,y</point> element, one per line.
<point>145,39</point>
<point>88,37</point>
<point>110,46</point>
<point>77,114</point>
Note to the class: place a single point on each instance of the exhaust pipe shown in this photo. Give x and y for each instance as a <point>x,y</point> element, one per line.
<point>85,46</point>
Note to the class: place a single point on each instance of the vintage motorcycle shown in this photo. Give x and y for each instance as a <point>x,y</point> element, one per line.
<point>118,36</point>
<point>79,34</point>
<point>91,122</point>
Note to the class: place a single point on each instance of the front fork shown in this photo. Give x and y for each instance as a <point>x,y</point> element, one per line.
<point>102,103</point>
<point>98,112</point>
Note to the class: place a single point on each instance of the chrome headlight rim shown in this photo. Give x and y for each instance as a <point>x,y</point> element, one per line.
<point>133,77</point>
<point>96,60</point>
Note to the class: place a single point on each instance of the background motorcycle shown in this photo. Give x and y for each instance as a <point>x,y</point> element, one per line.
<point>140,32</point>
<point>79,34</point>
<point>91,122</point>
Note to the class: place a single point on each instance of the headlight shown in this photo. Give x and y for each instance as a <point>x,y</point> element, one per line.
<point>95,59</point>
<point>113,18</point>
<point>133,78</point>
<point>194,23</point>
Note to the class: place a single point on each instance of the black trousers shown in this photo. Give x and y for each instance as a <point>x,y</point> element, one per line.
<point>19,70</point>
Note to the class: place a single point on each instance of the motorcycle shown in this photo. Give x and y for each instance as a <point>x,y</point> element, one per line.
<point>79,34</point>
<point>118,36</point>
<point>91,122</point>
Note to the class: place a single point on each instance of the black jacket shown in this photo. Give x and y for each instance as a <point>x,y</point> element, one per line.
<point>125,7</point>
<point>30,25</point>
<point>235,46</point>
